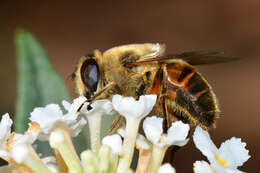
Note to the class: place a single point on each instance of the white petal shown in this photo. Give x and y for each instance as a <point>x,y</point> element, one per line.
<point>129,107</point>
<point>115,142</point>
<point>202,167</point>
<point>76,104</point>
<point>51,117</point>
<point>5,129</point>
<point>142,142</point>
<point>153,128</point>
<point>204,143</point>
<point>66,105</point>
<point>20,139</point>
<point>72,119</point>
<point>234,151</point>
<point>219,168</point>
<point>178,133</point>
<point>47,117</point>
<point>77,127</point>
<point>150,101</point>
<point>104,107</point>
<point>19,153</point>
<point>228,170</point>
<point>166,168</point>
<point>179,143</point>
<point>216,165</point>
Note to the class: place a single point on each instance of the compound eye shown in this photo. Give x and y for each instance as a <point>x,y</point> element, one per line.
<point>90,74</point>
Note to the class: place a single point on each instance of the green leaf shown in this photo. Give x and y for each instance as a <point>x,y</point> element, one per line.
<point>39,84</point>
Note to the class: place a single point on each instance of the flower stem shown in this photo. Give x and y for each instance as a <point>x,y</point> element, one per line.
<point>61,163</point>
<point>104,158</point>
<point>157,158</point>
<point>113,162</point>
<point>90,161</point>
<point>94,122</point>
<point>25,159</point>
<point>61,142</point>
<point>143,160</point>
<point>132,125</point>
<point>34,162</point>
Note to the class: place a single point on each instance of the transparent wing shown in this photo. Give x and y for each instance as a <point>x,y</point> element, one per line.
<point>193,58</point>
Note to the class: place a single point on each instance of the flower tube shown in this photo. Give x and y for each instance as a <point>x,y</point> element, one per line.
<point>176,135</point>
<point>94,117</point>
<point>133,111</point>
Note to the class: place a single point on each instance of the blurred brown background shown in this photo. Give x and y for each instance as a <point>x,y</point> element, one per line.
<point>71,29</point>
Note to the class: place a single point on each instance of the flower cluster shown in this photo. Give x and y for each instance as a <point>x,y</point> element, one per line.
<point>113,153</point>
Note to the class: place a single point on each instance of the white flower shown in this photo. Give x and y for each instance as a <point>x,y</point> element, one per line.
<point>28,138</point>
<point>5,129</point>
<point>227,158</point>
<point>176,134</point>
<point>51,117</point>
<point>67,104</point>
<point>20,150</point>
<point>202,167</point>
<point>129,107</point>
<point>48,117</point>
<point>98,108</point>
<point>17,146</point>
<point>166,168</point>
<point>133,111</point>
<point>114,142</point>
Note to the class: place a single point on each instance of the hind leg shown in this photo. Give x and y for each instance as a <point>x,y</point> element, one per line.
<point>166,120</point>
<point>114,124</point>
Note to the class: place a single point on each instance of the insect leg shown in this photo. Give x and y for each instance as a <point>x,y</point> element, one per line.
<point>166,120</point>
<point>107,87</point>
<point>114,124</point>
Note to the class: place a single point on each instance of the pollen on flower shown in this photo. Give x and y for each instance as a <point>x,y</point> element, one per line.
<point>222,161</point>
<point>231,154</point>
<point>10,142</point>
<point>35,127</point>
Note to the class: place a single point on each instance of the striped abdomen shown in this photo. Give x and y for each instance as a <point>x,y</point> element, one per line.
<point>189,97</point>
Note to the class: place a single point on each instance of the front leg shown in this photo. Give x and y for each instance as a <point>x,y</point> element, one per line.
<point>101,94</point>
<point>98,95</point>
